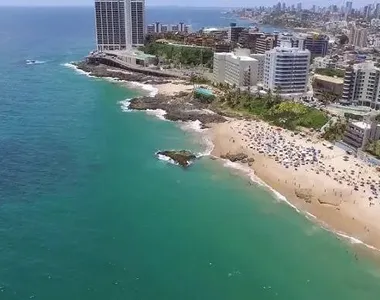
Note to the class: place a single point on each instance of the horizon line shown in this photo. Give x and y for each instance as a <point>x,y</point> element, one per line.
<point>59,5</point>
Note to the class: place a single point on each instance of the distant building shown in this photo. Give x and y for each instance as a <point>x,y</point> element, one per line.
<point>222,47</point>
<point>375,23</point>
<point>287,70</point>
<point>235,68</point>
<point>157,27</point>
<point>361,85</point>
<point>151,28</point>
<point>324,63</point>
<point>234,33</point>
<point>164,28</point>
<point>265,42</point>
<point>348,8</point>
<point>316,43</point>
<point>119,24</point>
<point>359,134</point>
<point>358,37</point>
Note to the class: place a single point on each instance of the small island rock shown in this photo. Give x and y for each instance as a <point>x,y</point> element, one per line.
<point>182,157</point>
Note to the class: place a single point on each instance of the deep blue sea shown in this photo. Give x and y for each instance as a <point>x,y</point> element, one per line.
<point>87,212</point>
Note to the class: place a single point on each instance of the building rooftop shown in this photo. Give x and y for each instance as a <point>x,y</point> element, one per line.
<point>367,65</point>
<point>329,78</point>
<point>288,50</point>
<point>235,56</point>
<point>362,125</point>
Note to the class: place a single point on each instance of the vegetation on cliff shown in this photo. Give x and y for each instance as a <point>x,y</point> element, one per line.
<point>177,54</point>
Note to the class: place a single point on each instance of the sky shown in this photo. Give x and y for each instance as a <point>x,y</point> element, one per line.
<point>199,3</point>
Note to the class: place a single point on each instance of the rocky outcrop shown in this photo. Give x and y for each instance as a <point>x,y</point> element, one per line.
<point>177,108</point>
<point>181,107</point>
<point>304,194</point>
<point>99,70</point>
<point>182,157</point>
<point>242,157</point>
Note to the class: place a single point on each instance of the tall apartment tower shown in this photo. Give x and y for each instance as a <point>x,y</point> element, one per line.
<point>119,24</point>
<point>358,37</point>
<point>287,70</point>
<point>362,85</point>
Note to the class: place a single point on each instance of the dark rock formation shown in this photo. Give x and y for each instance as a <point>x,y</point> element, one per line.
<point>177,108</point>
<point>182,157</point>
<point>106,71</point>
<point>235,157</point>
<point>181,107</point>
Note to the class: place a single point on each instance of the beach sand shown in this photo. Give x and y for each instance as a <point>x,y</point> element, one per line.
<point>339,193</point>
<point>174,87</point>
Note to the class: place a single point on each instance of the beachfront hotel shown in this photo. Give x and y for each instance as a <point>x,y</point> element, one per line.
<point>287,70</point>
<point>120,24</point>
<point>235,68</point>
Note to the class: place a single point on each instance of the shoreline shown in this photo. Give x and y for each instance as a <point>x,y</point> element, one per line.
<point>346,216</point>
<point>349,218</point>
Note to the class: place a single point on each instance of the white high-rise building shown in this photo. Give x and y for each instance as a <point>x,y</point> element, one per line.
<point>362,85</point>
<point>287,70</point>
<point>237,68</point>
<point>120,24</point>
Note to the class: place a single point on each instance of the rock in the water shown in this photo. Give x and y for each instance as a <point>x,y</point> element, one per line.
<point>235,157</point>
<point>182,157</point>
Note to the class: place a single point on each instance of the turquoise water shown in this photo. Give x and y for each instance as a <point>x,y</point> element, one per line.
<point>88,212</point>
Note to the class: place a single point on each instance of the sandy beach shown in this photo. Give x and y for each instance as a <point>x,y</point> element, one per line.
<point>174,87</point>
<point>339,190</point>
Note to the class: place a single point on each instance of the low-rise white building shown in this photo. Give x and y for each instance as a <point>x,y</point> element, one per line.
<point>133,57</point>
<point>287,70</point>
<point>235,68</point>
<point>359,134</point>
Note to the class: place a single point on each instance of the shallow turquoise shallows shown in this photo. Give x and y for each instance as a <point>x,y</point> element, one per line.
<point>87,212</point>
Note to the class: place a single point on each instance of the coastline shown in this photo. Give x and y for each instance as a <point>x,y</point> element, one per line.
<point>327,202</point>
<point>320,198</point>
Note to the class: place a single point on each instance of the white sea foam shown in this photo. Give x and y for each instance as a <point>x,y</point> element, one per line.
<point>146,87</point>
<point>125,105</point>
<point>112,79</point>
<point>167,159</point>
<point>35,62</point>
<point>196,126</point>
<point>159,113</point>
<point>79,71</point>
<point>254,178</point>
<point>209,145</point>
<point>251,174</point>
<point>192,126</point>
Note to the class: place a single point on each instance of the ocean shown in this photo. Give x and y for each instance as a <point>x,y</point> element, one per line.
<point>88,212</point>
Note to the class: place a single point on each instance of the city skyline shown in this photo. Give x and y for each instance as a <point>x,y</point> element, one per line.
<point>194,3</point>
